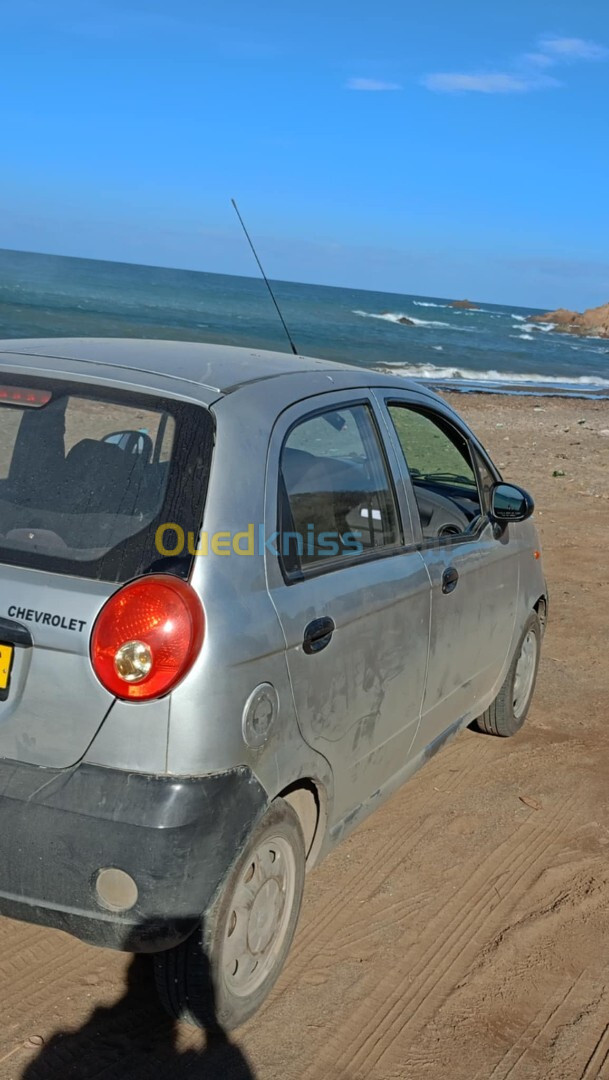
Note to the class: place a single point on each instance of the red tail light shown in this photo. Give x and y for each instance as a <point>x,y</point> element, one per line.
<point>24,395</point>
<point>147,636</point>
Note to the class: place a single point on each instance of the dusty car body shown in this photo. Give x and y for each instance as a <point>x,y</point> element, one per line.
<point>353,582</point>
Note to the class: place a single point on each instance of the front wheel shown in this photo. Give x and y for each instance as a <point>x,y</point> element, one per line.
<point>507,713</point>
<point>221,975</point>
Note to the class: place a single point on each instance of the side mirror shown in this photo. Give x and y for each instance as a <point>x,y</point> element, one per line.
<point>510,503</point>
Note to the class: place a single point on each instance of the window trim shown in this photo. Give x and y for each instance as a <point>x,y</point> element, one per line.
<point>338,562</point>
<point>474,449</point>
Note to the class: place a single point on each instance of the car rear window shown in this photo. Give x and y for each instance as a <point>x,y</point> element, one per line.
<point>88,474</point>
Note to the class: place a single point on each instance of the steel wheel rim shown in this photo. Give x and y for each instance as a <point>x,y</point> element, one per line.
<point>524,674</point>
<point>259,916</point>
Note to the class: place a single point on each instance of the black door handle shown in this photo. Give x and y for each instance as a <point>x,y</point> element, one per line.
<point>317,635</point>
<point>450,578</point>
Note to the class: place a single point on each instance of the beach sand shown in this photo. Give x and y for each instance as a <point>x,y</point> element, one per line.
<point>462,932</point>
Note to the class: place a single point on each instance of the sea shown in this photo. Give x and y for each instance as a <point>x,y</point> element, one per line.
<point>495,348</point>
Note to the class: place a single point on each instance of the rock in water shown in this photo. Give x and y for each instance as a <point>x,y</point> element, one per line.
<point>465,304</point>
<point>406,322</point>
<point>594,322</point>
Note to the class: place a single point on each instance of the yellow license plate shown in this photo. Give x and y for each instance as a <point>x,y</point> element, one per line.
<point>6,659</point>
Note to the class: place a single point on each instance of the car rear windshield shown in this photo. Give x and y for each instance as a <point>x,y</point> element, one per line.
<point>87,475</point>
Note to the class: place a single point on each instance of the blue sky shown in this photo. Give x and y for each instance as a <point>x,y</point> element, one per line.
<point>436,148</point>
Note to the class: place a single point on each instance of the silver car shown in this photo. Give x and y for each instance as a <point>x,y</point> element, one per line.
<point>244,596</point>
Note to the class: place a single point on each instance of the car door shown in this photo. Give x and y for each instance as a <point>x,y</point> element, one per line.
<point>474,569</point>
<point>350,589</point>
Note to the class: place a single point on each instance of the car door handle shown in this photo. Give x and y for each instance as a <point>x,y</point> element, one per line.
<point>450,577</point>
<point>317,635</point>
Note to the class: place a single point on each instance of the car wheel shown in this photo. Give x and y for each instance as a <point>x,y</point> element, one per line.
<point>220,976</point>
<point>507,713</point>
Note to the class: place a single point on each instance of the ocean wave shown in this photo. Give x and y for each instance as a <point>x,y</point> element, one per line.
<point>519,318</point>
<point>457,374</point>
<point>522,337</point>
<point>427,303</point>
<point>590,349</point>
<point>395,316</point>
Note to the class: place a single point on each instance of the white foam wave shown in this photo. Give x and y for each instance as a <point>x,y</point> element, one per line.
<point>433,372</point>
<point>544,327</point>
<point>519,318</point>
<point>522,337</point>
<point>438,348</point>
<point>427,303</point>
<point>396,316</point>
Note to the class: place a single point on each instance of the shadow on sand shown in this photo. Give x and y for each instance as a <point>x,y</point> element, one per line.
<point>135,1040</point>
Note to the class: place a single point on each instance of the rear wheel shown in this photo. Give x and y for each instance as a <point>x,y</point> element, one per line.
<point>221,975</point>
<point>507,713</point>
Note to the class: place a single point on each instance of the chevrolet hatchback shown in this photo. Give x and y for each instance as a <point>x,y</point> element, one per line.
<point>243,597</point>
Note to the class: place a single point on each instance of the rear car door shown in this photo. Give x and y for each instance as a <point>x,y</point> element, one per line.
<point>474,572</point>
<point>88,471</point>
<point>351,592</point>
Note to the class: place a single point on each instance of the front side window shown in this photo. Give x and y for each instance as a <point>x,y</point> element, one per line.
<point>336,496</point>
<point>87,474</point>
<point>441,469</point>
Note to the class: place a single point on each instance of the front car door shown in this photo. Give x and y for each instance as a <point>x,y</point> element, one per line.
<point>351,591</point>
<point>474,572</point>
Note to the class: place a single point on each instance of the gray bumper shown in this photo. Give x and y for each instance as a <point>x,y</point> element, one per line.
<point>175,837</point>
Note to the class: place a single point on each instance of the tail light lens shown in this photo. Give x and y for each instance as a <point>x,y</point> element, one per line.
<point>147,636</point>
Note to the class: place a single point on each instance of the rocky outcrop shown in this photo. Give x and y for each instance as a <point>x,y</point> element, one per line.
<point>406,322</point>
<point>594,322</point>
<point>466,304</point>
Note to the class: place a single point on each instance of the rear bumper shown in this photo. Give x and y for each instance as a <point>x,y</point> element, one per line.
<point>176,838</point>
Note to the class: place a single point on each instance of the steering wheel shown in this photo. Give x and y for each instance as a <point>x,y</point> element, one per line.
<point>443,517</point>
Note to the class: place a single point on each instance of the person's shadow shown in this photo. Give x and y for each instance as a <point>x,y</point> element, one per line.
<point>135,1040</point>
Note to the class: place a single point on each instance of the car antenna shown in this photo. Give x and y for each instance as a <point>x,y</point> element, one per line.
<point>266,280</point>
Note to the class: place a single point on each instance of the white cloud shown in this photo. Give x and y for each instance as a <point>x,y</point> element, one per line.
<point>539,59</point>
<point>524,74</point>
<point>563,48</point>
<point>492,82</point>
<point>371,84</point>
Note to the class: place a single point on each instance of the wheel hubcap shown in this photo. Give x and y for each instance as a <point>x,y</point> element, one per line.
<point>259,916</point>
<point>525,673</point>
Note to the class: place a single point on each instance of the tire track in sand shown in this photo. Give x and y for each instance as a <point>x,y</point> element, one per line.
<point>364,880</point>
<point>545,1022</point>
<point>409,995</point>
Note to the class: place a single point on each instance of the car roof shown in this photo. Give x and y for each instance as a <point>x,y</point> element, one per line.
<point>219,369</point>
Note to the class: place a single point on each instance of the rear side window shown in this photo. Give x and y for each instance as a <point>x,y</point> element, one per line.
<point>87,475</point>
<point>336,496</point>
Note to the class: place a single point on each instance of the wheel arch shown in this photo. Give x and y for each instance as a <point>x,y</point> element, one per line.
<point>309,801</point>
<point>541,607</point>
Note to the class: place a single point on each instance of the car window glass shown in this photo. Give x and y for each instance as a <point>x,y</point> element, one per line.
<point>332,434</point>
<point>338,497</point>
<point>487,479</point>
<point>85,476</point>
<point>440,465</point>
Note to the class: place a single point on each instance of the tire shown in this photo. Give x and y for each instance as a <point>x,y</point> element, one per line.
<point>507,713</point>
<point>221,975</point>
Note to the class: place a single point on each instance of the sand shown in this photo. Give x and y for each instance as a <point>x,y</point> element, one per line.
<point>462,932</point>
